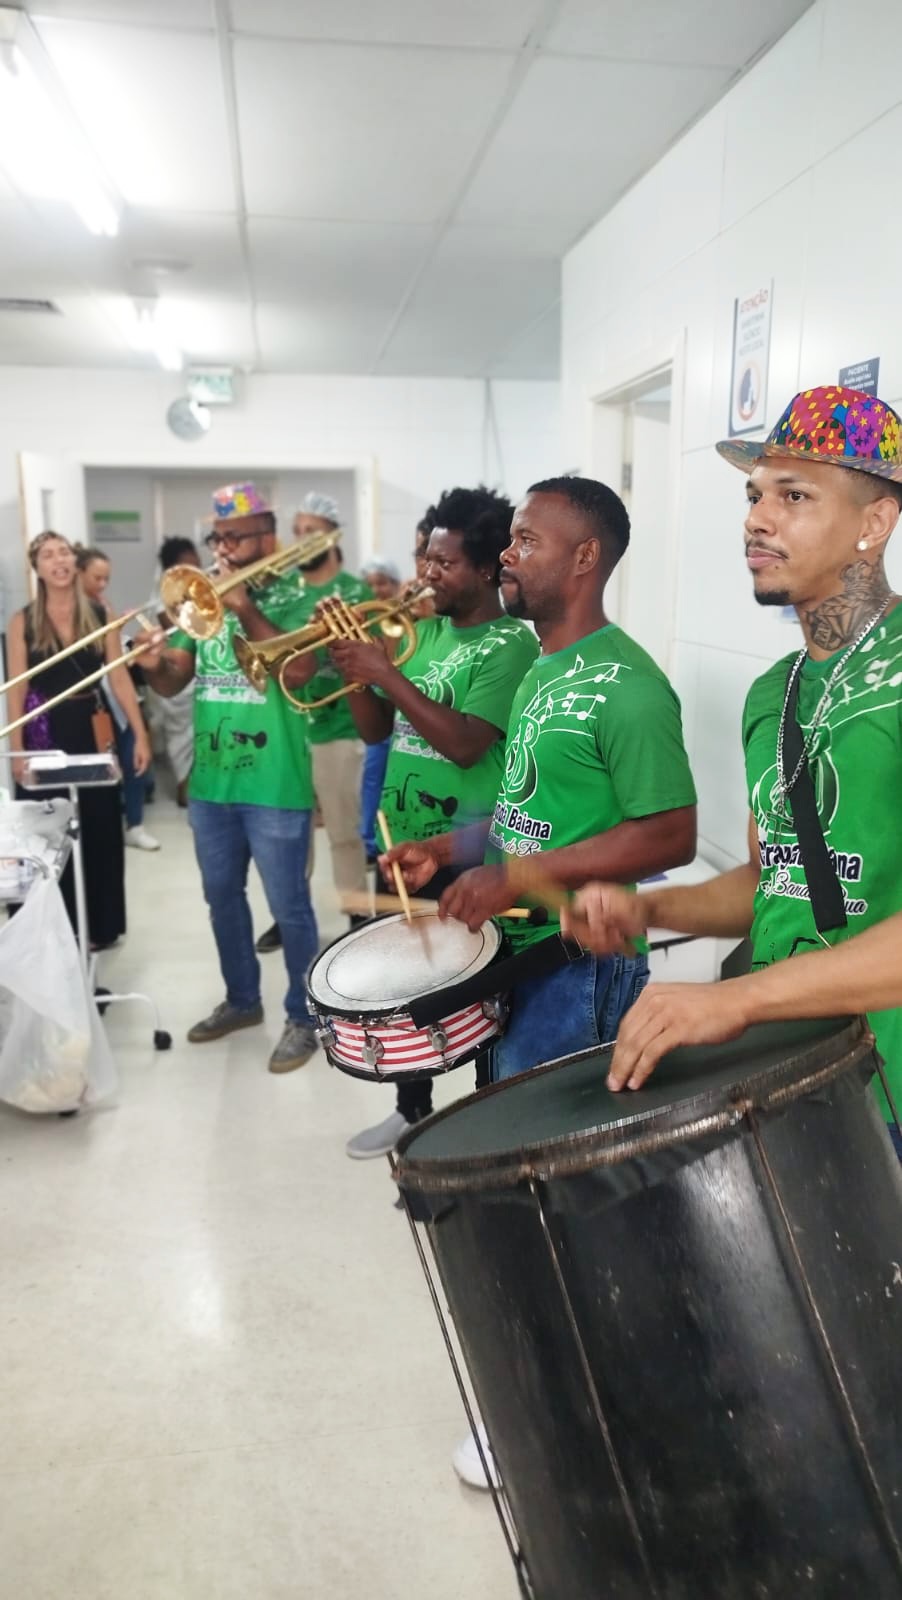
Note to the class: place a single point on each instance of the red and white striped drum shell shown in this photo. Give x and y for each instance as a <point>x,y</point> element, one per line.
<point>361,986</point>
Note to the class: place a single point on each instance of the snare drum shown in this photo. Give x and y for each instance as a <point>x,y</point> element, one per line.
<point>362,987</point>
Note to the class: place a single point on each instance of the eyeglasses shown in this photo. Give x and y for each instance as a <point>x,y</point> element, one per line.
<point>214,540</point>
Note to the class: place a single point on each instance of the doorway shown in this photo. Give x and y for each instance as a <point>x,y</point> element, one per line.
<point>633,451</point>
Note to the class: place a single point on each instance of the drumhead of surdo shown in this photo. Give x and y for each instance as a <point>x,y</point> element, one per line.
<point>385,964</point>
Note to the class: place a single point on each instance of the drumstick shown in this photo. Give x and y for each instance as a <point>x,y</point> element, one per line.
<point>353,902</point>
<point>528,876</point>
<point>396,872</point>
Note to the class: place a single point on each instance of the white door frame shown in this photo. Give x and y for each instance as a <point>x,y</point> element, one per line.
<point>603,448</point>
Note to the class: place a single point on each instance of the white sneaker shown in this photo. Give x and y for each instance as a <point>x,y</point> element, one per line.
<point>377,1141</point>
<point>468,1466</point>
<point>140,839</point>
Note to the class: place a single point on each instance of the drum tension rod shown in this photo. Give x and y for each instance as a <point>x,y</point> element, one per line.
<point>823,1339</point>
<point>594,1396</point>
<point>502,1511</point>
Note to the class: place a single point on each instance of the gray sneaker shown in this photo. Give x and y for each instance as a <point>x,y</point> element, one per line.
<point>225,1018</point>
<point>377,1141</point>
<point>297,1044</point>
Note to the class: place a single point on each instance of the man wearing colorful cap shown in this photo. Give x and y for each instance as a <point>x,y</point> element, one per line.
<point>336,751</point>
<point>824,494</point>
<point>250,795</point>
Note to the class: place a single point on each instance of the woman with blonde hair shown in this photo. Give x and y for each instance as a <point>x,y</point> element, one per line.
<point>59,615</point>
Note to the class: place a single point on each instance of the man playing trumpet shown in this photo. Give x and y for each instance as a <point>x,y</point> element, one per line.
<point>250,795</point>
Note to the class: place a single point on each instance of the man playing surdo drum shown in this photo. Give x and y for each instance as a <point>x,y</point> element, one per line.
<point>824,494</point>
<point>595,773</point>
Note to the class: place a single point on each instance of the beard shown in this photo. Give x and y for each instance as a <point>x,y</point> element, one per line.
<point>512,601</point>
<point>774,597</point>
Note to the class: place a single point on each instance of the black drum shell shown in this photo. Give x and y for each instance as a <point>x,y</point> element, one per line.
<point>744,1444</point>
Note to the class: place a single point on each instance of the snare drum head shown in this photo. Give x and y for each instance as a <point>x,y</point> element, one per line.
<point>383,966</point>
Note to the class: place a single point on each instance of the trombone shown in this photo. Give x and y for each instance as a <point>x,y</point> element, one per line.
<point>192,602</point>
<point>270,658</point>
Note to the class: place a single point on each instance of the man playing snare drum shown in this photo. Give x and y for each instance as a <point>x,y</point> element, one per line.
<point>446,709</point>
<point>824,494</point>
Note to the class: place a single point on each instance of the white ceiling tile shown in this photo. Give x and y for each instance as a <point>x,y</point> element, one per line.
<point>155,13</point>
<point>534,353</point>
<point>294,339</point>
<point>81,336</point>
<point>153,109</point>
<point>501,24</point>
<point>210,245</point>
<point>486,241</point>
<point>465,314</point>
<point>341,133</point>
<point>332,263</point>
<point>693,32</point>
<point>578,134</point>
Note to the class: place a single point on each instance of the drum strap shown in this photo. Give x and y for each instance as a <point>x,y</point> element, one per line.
<point>827,899</point>
<point>537,961</point>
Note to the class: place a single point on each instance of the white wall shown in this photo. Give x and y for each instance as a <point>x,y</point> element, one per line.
<point>789,178</point>
<point>425,435</point>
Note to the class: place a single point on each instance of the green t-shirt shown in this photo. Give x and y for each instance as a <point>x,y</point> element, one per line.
<point>595,739</point>
<point>476,671</point>
<point>333,721</point>
<point>856,763</point>
<point>249,748</point>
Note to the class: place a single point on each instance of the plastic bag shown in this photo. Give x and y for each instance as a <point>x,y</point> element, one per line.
<point>54,1054</point>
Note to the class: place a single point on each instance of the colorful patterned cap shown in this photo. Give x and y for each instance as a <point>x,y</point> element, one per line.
<point>844,426</point>
<point>238,500</point>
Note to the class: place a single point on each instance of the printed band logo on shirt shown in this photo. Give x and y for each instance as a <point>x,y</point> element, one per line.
<point>566,704</point>
<point>782,872</point>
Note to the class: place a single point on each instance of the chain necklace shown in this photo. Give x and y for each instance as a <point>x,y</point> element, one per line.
<point>786,785</point>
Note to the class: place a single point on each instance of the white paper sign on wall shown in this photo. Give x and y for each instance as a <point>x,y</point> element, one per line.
<point>751,353</point>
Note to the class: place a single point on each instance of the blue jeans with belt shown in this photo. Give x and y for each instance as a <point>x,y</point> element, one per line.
<point>226,839</point>
<point>575,1008</point>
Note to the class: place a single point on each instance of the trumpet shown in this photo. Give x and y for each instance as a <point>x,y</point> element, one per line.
<point>269,658</point>
<point>192,601</point>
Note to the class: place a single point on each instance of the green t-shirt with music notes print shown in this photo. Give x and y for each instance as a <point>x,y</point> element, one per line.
<point>249,748</point>
<point>475,671</point>
<point>595,739</point>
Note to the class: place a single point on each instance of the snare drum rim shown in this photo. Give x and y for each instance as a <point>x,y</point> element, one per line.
<point>706,1113</point>
<point>393,1009</point>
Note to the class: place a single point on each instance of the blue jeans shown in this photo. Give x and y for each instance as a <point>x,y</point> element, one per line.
<point>134,785</point>
<point>226,839</point>
<point>375,761</point>
<point>575,1008</point>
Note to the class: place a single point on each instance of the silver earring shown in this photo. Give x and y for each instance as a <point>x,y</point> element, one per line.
<point>862,544</point>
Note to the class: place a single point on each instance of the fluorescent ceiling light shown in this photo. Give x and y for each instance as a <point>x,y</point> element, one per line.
<point>42,146</point>
<point>152,330</point>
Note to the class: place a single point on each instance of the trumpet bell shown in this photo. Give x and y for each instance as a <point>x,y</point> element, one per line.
<point>254,666</point>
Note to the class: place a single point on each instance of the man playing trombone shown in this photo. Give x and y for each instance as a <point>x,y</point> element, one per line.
<point>250,795</point>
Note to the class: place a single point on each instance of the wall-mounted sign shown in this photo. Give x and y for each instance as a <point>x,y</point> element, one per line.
<point>210,386</point>
<point>116,527</point>
<point>861,375</point>
<point>751,352</point>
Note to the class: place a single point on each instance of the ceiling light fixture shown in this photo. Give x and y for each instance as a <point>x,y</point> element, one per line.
<point>42,146</point>
<point>152,331</point>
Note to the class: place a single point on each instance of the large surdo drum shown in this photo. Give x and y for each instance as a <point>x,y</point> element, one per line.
<point>681,1311</point>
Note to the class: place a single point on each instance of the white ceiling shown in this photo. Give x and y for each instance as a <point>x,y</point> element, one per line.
<point>358,186</point>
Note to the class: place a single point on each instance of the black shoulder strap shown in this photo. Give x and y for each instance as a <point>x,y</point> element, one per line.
<point>827,898</point>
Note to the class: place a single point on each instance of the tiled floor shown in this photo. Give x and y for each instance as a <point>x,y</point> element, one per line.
<point>222,1376</point>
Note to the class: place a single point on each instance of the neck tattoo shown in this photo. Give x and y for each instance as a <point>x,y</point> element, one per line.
<point>840,618</point>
